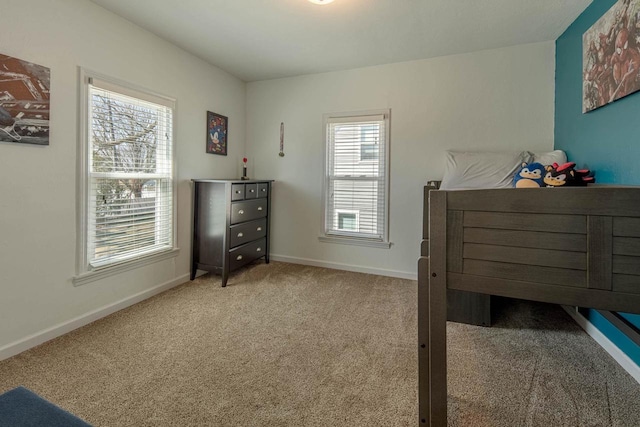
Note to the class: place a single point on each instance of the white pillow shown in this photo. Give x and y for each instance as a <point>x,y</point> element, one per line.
<point>550,157</point>
<point>482,169</point>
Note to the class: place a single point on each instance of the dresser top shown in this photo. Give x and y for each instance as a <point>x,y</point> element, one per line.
<point>234,181</point>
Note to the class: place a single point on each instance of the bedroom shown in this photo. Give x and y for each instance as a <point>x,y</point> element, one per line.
<point>501,97</point>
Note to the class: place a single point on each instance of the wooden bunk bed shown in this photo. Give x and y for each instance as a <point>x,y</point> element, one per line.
<point>572,246</point>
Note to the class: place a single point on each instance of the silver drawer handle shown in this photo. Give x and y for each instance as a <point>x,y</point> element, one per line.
<point>264,189</point>
<point>239,257</point>
<point>259,229</point>
<point>259,208</point>
<point>240,234</point>
<point>238,191</point>
<point>259,250</point>
<point>252,191</point>
<point>241,212</point>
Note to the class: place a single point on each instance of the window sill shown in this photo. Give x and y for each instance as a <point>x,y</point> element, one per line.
<point>355,242</point>
<point>92,276</point>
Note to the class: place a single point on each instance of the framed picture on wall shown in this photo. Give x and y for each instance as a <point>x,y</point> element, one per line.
<point>610,57</point>
<point>217,133</point>
<point>24,101</point>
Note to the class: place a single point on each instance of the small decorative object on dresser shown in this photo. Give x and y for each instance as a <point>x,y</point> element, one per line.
<point>230,224</point>
<point>244,169</point>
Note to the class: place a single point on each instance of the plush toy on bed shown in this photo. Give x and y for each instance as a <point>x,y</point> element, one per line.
<point>530,175</point>
<point>567,175</point>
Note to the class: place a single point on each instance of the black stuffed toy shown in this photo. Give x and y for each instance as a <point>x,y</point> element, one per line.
<point>567,175</point>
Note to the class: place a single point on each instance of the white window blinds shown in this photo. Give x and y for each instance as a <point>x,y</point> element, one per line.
<point>356,177</point>
<point>130,174</point>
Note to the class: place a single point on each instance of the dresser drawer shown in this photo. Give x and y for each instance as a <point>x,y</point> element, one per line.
<point>247,231</point>
<point>237,191</point>
<point>248,210</point>
<point>251,191</point>
<point>245,254</point>
<point>263,189</point>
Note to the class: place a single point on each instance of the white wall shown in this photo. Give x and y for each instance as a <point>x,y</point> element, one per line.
<point>499,99</point>
<point>38,184</point>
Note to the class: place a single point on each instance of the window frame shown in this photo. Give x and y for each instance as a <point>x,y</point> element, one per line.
<point>85,272</point>
<point>349,238</point>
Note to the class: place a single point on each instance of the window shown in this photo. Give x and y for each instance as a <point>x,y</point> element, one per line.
<point>368,152</point>
<point>369,142</point>
<point>128,177</point>
<point>348,220</point>
<point>356,180</point>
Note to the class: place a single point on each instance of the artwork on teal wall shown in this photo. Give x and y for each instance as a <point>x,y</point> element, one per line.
<point>610,56</point>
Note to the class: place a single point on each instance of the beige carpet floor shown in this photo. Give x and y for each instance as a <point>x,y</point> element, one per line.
<point>288,345</point>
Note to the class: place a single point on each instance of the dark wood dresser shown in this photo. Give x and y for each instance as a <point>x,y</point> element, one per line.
<point>230,224</point>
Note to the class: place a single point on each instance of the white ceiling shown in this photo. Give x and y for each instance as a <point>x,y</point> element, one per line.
<point>265,39</point>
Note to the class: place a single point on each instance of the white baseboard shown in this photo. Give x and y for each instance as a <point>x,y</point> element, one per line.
<point>348,267</point>
<point>619,356</point>
<point>38,338</point>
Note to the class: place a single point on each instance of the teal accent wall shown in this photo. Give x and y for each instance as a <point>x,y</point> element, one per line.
<point>606,140</point>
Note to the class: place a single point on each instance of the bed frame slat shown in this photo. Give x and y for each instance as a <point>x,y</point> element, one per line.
<point>527,239</point>
<point>549,275</point>
<point>526,256</point>
<point>626,265</point>
<point>626,246</point>
<point>626,227</point>
<point>576,224</point>
<point>626,283</point>
<point>594,200</point>
<point>593,298</point>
